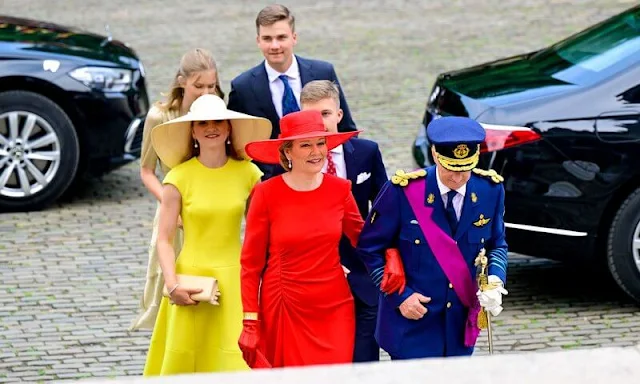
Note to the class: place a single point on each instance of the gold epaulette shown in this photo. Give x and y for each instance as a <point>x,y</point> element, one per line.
<point>402,178</point>
<point>490,173</point>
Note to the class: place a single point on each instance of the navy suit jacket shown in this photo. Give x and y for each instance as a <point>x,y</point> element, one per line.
<point>250,94</point>
<point>362,157</point>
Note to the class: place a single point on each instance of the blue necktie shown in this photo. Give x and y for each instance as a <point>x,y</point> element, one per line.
<point>289,103</point>
<point>451,213</point>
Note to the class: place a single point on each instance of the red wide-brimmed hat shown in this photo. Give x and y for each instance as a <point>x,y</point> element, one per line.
<point>294,126</point>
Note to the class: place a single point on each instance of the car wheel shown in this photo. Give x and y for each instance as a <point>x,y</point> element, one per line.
<point>623,246</point>
<point>39,151</point>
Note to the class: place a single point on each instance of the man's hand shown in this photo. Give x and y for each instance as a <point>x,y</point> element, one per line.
<point>412,308</point>
<point>248,341</point>
<point>393,278</point>
<point>491,299</point>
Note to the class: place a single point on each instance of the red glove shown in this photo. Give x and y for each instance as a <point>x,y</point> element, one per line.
<point>261,361</point>
<point>248,341</point>
<point>393,278</point>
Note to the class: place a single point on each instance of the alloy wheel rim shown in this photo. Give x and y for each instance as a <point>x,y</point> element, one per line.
<point>29,154</point>
<point>635,246</point>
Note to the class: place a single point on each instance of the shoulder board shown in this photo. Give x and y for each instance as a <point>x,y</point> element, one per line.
<point>402,178</point>
<point>491,173</point>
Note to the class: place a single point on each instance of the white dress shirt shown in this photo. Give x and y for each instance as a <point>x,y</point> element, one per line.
<point>458,199</point>
<point>337,154</point>
<point>276,86</point>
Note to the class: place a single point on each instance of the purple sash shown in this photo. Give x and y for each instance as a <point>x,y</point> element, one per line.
<point>448,255</point>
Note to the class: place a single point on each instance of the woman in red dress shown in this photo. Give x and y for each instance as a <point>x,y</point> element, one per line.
<point>297,302</point>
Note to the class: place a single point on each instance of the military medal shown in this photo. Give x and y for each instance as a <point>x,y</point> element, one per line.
<point>431,198</point>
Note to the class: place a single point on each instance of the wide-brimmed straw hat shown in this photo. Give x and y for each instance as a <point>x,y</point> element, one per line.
<point>296,125</point>
<point>173,143</point>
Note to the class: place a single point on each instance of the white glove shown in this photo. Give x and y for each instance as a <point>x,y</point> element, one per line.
<point>491,299</point>
<point>495,311</point>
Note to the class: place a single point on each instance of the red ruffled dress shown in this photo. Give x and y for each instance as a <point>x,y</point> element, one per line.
<point>303,298</point>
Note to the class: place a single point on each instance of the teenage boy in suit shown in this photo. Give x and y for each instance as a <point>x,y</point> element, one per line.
<point>360,161</point>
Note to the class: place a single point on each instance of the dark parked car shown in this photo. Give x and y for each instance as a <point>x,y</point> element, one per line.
<point>572,175</point>
<point>71,104</point>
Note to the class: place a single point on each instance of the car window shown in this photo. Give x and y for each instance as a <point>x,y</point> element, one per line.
<point>597,52</point>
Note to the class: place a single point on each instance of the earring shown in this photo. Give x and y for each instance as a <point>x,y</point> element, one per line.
<point>195,144</point>
<point>228,140</point>
<point>290,167</point>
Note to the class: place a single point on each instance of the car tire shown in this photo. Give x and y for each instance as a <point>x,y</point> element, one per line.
<point>35,172</point>
<point>620,250</point>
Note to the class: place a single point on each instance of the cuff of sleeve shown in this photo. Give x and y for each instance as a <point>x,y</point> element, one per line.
<point>376,276</point>
<point>498,264</point>
<point>499,273</point>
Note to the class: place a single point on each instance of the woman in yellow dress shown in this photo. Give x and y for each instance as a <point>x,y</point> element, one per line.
<point>197,75</point>
<point>208,186</point>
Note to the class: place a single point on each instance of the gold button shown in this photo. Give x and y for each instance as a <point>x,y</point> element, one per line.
<point>449,305</point>
<point>417,241</point>
<point>450,286</point>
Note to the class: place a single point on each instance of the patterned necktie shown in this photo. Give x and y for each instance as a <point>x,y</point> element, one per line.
<point>331,166</point>
<point>451,213</point>
<point>289,103</point>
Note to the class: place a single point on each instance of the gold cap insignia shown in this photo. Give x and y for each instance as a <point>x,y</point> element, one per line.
<point>461,151</point>
<point>459,162</point>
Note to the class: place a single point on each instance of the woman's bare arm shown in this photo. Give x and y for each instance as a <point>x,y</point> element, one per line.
<point>170,206</point>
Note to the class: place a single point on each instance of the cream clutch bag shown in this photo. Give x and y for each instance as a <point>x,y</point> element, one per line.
<point>209,286</point>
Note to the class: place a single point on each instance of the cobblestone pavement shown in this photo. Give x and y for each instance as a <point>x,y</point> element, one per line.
<point>72,275</point>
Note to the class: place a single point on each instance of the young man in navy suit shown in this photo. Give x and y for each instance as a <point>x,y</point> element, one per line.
<point>272,88</point>
<point>360,161</point>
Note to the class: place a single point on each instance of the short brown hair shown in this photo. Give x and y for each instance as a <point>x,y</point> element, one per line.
<point>317,90</point>
<point>284,161</point>
<point>273,13</point>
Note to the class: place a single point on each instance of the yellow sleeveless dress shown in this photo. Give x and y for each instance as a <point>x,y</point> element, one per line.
<point>204,337</point>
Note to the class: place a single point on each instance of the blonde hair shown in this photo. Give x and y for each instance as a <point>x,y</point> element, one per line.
<point>284,161</point>
<point>196,60</point>
<point>317,90</point>
<point>273,13</point>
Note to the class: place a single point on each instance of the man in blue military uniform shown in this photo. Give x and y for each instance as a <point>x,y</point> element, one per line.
<point>441,218</point>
